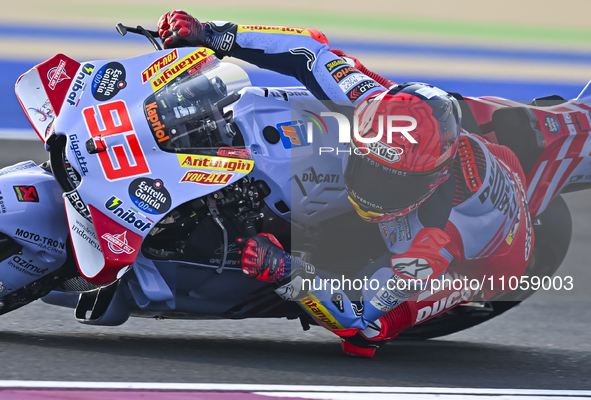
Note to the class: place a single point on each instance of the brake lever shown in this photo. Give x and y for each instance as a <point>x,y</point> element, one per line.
<point>122,29</point>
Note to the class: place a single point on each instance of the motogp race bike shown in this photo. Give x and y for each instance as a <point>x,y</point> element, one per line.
<point>158,163</point>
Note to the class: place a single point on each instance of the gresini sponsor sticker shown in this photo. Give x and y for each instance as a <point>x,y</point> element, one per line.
<point>158,65</point>
<point>351,80</point>
<point>40,241</point>
<point>335,64</point>
<point>150,195</point>
<point>360,89</point>
<point>26,266</point>
<point>273,29</point>
<point>57,74</point>
<point>179,67</point>
<point>213,178</point>
<point>215,163</point>
<point>118,243</point>
<point>108,81</point>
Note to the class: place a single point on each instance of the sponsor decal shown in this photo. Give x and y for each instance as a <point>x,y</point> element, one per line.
<point>154,120</point>
<point>357,307</point>
<point>552,124</point>
<point>201,65</point>
<point>469,167</point>
<point>384,300</point>
<point>306,53</point>
<point>273,29</point>
<point>315,308</point>
<point>2,287</point>
<point>19,167</point>
<point>227,41</point>
<point>348,82</point>
<point>150,195</point>
<point>79,85</point>
<point>108,81</point>
<point>118,243</point>
<point>235,153</point>
<point>392,239</point>
<point>281,94</point>
<point>26,267</point>
<point>124,160</point>
<point>316,178</point>
<point>43,242</point>
<point>577,178</point>
<point>360,89</point>
<point>335,64</point>
<point>337,300</point>
<point>179,67</point>
<point>293,134</point>
<point>73,175</point>
<point>158,65</point>
<point>2,206</point>
<point>57,74</point>
<point>213,178</point>
<point>80,159</point>
<point>443,304</point>
<point>26,194</point>
<point>216,163</point>
<point>130,216</point>
<point>500,191</point>
<point>383,151</point>
<point>415,268</point>
<point>76,202</point>
<point>44,112</point>
<point>383,228</point>
<point>342,73</point>
<point>513,230</point>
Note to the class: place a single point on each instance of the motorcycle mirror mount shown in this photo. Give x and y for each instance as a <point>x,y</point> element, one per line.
<point>122,29</point>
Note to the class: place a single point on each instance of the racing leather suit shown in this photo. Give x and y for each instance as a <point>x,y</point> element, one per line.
<point>476,226</point>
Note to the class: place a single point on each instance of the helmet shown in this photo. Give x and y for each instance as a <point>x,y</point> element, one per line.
<point>393,170</point>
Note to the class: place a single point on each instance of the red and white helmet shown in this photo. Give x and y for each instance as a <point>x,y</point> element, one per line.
<point>407,138</point>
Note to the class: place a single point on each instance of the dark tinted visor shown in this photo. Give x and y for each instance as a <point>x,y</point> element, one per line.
<point>382,189</point>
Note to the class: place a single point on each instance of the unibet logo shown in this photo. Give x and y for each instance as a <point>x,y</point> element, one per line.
<point>115,205</point>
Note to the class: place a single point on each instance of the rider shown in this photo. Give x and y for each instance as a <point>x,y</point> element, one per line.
<point>449,204</point>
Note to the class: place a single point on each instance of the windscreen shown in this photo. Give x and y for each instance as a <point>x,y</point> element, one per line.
<point>187,114</point>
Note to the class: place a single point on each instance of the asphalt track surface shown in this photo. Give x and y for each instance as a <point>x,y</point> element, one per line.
<point>542,344</point>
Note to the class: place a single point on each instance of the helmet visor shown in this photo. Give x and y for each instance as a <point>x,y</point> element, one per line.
<point>378,188</point>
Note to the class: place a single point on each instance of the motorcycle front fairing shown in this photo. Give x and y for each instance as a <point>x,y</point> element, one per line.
<point>132,139</point>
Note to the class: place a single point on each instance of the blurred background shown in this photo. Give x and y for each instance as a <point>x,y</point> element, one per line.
<point>517,49</point>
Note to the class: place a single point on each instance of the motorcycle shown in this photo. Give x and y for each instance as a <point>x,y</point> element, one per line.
<point>158,163</point>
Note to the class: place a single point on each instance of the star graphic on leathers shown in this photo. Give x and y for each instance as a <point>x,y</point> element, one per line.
<point>412,268</point>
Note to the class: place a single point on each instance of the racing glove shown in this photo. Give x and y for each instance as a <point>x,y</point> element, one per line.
<point>263,258</point>
<point>179,29</point>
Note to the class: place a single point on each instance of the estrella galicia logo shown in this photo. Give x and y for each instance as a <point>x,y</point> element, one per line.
<point>150,195</point>
<point>551,123</point>
<point>108,81</point>
<point>129,216</point>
